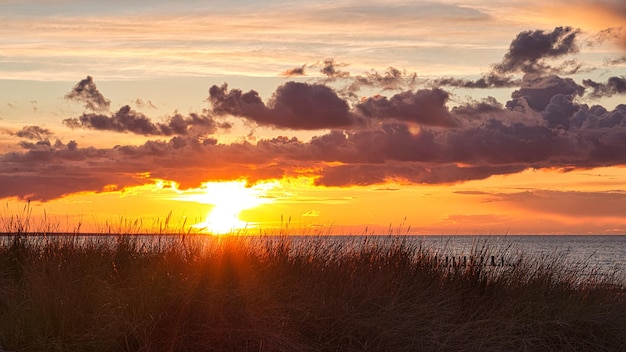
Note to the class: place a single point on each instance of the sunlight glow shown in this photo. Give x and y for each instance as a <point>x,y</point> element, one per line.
<point>229,199</point>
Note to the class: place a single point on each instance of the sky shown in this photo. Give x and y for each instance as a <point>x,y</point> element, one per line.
<point>342,117</point>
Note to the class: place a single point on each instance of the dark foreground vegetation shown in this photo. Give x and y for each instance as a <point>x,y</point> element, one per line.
<point>203,293</point>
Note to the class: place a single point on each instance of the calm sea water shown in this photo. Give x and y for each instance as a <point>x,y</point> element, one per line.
<point>604,252</point>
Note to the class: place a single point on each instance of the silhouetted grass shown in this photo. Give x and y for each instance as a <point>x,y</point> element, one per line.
<point>279,293</point>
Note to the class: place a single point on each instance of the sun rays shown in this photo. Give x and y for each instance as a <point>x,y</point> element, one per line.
<point>229,199</point>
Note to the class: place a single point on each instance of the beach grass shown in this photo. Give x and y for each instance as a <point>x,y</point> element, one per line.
<point>193,292</point>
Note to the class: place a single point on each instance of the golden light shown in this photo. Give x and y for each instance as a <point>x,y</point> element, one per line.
<point>228,200</point>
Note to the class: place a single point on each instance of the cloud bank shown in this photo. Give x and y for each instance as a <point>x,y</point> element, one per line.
<point>402,134</point>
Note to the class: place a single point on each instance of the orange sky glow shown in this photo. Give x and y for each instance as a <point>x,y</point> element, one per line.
<point>438,117</point>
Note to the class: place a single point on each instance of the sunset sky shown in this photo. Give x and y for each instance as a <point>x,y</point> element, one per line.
<point>448,117</point>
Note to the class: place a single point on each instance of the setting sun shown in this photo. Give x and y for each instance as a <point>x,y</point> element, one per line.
<point>228,200</point>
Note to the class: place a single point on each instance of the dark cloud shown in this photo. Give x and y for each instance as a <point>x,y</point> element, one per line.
<point>491,80</point>
<point>367,174</point>
<point>34,133</point>
<point>495,142</point>
<point>329,68</point>
<point>528,54</point>
<point>426,107</point>
<point>39,145</point>
<point>487,139</point>
<point>530,49</point>
<point>597,117</point>
<point>294,105</point>
<point>87,93</point>
<point>478,148</point>
<point>559,111</point>
<point>475,108</point>
<point>613,86</point>
<point>296,71</point>
<point>539,90</point>
<point>128,120</point>
<point>47,171</point>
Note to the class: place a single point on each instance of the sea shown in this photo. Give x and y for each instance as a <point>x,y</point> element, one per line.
<point>602,253</point>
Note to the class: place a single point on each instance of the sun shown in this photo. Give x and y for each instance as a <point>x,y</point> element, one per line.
<point>229,199</point>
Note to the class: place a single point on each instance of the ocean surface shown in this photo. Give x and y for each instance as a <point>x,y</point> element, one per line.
<point>607,252</point>
<point>600,254</point>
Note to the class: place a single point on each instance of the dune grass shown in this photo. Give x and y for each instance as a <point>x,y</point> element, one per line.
<point>279,293</point>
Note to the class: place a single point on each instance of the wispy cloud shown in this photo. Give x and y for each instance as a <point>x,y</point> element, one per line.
<point>128,120</point>
<point>146,41</point>
<point>296,71</point>
<point>87,93</point>
<point>613,86</point>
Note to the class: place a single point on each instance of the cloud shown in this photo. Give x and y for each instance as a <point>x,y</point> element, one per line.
<point>529,50</point>
<point>128,120</point>
<point>597,117</point>
<point>144,104</point>
<point>541,127</point>
<point>496,141</point>
<point>329,68</point>
<point>613,86</point>
<point>615,35</point>
<point>410,136</point>
<point>294,105</point>
<point>47,171</point>
<point>296,71</point>
<point>367,174</point>
<point>426,107</point>
<point>476,108</point>
<point>491,80</point>
<point>538,91</point>
<point>611,34</point>
<point>488,138</point>
<point>391,79</point>
<point>528,54</point>
<point>87,93</point>
<point>34,133</point>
